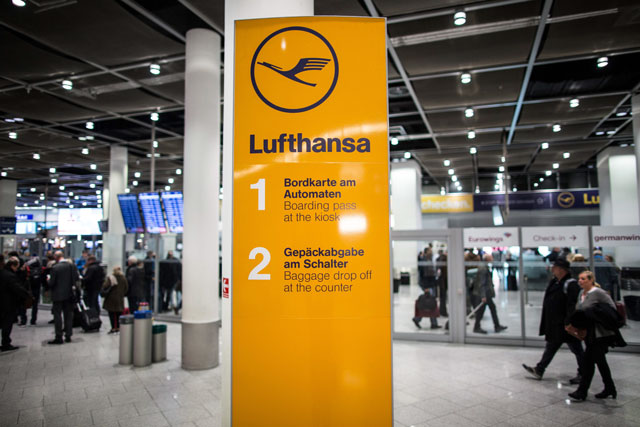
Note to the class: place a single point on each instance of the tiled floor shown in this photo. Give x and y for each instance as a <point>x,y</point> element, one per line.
<point>80,384</point>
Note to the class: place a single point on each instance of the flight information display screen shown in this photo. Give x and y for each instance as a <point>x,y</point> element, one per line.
<point>131,213</point>
<point>173,207</point>
<point>152,213</point>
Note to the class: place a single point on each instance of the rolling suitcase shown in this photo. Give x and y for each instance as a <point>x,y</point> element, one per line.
<point>89,319</point>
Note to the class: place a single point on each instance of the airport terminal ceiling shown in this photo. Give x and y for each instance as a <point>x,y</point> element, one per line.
<point>516,77</point>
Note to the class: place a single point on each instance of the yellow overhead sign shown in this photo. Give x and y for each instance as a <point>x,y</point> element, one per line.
<point>311,295</point>
<point>432,203</point>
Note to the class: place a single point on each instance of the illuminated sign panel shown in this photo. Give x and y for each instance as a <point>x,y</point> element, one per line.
<point>310,291</point>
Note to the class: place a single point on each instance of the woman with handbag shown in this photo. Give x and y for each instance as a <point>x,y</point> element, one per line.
<point>114,289</point>
<point>596,313</point>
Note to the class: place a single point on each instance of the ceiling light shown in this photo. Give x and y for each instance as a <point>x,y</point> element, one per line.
<point>600,133</point>
<point>67,84</point>
<point>33,189</point>
<point>52,170</point>
<point>19,3</point>
<point>574,103</point>
<point>55,204</point>
<point>9,120</point>
<point>92,185</point>
<point>18,194</point>
<point>459,18</point>
<point>36,156</point>
<point>501,168</point>
<point>442,192</point>
<point>544,145</point>
<point>541,180</point>
<point>407,155</point>
<point>154,69</point>
<point>155,144</point>
<point>502,159</point>
<point>71,193</point>
<point>446,162</point>
<point>611,132</point>
<point>602,62</point>
<point>127,190</point>
<point>99,177</point>
<point>82,138</point>
<point>135,183</point>
<point>84,203</point>
<point>477,189</point>
<point>89,137</point>
<point>499,176</point>
<point>451,171</point>
<point>471,134</point>
<point>497,187</point>
<point>93,166</point>
<point>98,191</point>
<point>89,125</point>
<point>473,150</point>
<point>394,141</point>
<point>154,117</point>
<point>547,173</point>
<point>61,188</point>
<point>556,128</point>
<point>465,78</point>
<point>167,188</point>
<point>36,202</point>
<point>13,135</point>
<point>54,180</point>
<point>454,178</point>
<point>556,165</point>
<point>621,113</point>
<point>85,151</point>
<point>18,119</point>
<point>170,180</point>
<point>624,145</point>
<point>3,174</point>
<point>468,112</point>
<point>67,201</point>
<point>137,174</point>
<point>566,155</point>
<point>178,171</point>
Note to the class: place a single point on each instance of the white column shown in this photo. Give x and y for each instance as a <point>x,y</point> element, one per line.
<point>234,10</point>
<point>200,312</point>
<point>8,191</point>
<point>618,186</point>
<point>406,189</point>
<point>112,241</point>
<point>635,114</point>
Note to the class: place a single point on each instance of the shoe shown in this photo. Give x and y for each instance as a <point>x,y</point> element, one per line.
<point>51,322</point>
<point>479,331</point>
<point>67,339</point>
<point>416,321</point>
<point>436,327</point>
<point>56,341</point>
<point>533,371</point>
<point>33,323</point>
<point>606,393</point>
<point>575,380</point>
<point>500,328</point>
<point>13,347</point>
<point>578,396</point>
<point>113,331</point>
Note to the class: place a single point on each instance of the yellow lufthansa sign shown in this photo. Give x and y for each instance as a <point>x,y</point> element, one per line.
<point>310,293</point>
<point>447,203</point>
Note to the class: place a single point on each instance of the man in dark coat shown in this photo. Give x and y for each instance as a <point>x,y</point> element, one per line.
<point>92,283</point>
<point>135,280</point>
<point>483,292</point>
<point>64,276</point>
<point>557,307</point>
<point>12,296</point>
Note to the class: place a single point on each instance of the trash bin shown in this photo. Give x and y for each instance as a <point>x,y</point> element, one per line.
<point>159,333</point>
<point>142,340</point>
<point>126,340</point>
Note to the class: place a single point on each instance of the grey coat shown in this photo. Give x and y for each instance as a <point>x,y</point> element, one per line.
<point>592,298</point>
<point>64,276</point>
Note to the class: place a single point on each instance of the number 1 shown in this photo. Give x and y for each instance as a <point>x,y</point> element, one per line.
<point>260,186</point>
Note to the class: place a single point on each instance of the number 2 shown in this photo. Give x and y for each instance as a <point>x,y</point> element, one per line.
<point>266,257</point>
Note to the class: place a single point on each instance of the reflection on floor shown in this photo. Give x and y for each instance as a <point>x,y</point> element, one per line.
<point>435,384</point>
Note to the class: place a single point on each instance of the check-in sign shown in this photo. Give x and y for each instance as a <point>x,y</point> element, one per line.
<point>577,237</point>
<point>311,308</point>
<point>613,236</point>
<point>490,236</point>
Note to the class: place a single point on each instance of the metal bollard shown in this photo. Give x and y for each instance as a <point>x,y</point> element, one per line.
<point>142,338</point>
<point>159,343</point>
<point>126,340</point>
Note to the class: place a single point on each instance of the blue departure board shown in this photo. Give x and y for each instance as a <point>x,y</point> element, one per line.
<point>173,207</point>
<point>131,213</point>
<point>152,213</point>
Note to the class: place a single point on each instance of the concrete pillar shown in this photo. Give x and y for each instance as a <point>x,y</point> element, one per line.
<point>8,191</point>
<point>200,312</point>
<point>406,189</point>
<point>618,186</point>
<point>234,10</point>
<point>635,114</point>
<point>113,241</point>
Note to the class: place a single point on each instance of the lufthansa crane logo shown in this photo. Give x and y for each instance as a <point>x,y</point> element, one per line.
<point>294,69</point>
<point>566,200</point>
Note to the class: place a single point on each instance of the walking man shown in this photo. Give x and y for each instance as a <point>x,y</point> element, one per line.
<point>64,276</point>
<point>483,292</point>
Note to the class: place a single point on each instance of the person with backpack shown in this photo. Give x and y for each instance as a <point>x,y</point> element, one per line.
<point>558,305</point>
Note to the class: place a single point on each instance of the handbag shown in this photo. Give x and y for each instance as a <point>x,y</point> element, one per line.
<point>576,332</point>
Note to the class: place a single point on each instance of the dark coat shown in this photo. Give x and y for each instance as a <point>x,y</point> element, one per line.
<point>557,307</point>
<point>482,283</point>
<point>170,273</point>
<point>135,279</point>
<point>64,276</point>
<point>115,300</point>
<point>94,277</point>
<point>12,295</point>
